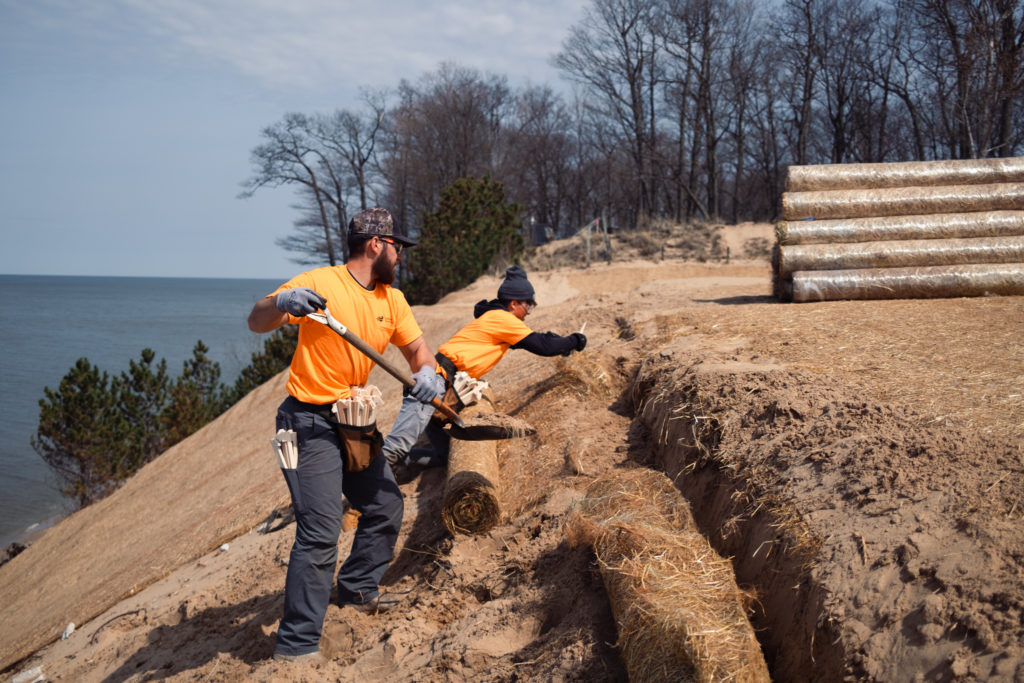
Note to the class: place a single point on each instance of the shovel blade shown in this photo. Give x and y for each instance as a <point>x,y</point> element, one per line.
<point>477,429</point>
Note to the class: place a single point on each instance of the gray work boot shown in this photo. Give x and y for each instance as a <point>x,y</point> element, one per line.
<point>378,604</point>
<point>308,658</point>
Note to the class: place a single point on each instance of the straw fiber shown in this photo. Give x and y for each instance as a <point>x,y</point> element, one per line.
<point>679,614</point>
<point>908,283</point>
<point>472,502</point>
<point>884,228</point>
<point>902,201</point>
<point>873,176</point>
<point>901,253</point>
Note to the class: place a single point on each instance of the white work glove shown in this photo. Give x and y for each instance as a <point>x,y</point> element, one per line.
<point>299,301</point>
<point>429,385</point>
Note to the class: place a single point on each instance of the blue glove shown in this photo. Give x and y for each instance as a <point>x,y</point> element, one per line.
<point>299,301</point>
<point>429,385</point>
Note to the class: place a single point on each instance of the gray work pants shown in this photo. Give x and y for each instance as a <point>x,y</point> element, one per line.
<point>316,487</point>
<point>414,419</point>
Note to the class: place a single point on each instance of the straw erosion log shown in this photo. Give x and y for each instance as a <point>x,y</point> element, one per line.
<point>904,174</point>
<point>901,253</point>
<point>472,501</point>
<point>909,283</point>
<point>884,228</point>
<point>902,201</point>
<point>906,230</point>
<point>678,611</point>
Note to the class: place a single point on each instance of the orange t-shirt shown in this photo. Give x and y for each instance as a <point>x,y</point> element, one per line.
<point>325,366</point>
<point>477,347</point>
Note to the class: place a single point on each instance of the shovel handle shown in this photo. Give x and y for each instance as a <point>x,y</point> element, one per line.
<point>398,373</point>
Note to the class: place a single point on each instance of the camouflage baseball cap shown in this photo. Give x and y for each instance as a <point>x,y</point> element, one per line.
<point>377,222</point>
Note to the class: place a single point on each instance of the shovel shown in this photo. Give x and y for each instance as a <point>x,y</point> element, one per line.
<point>456,428</point>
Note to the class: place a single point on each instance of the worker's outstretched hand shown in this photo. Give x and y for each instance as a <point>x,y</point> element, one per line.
<point>299,301</point>
<point>579,342</point>
<point>429,385</point>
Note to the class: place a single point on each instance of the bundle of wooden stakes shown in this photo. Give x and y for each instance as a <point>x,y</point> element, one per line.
<point>901,230</point>
<point>679,614</point>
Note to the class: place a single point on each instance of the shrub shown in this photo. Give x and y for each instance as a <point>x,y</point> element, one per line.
<point>472,228</point>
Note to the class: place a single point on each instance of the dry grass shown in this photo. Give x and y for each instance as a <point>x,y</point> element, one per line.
<point>679,613</point>
<point>662,240</point>
<point>585,374</point>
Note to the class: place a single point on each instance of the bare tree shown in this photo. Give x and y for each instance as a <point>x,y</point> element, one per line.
<point>328,158</point>
<point>306,242</point>
<point>447,126</point>
<point>612,53</point>
<point>292,155</point>
<point>746,50</point>
<point>767,138</point>
<point>682,108</point>
<point>536,166</point>
<point>352,137</point>
<point>798,28</point>
<point>844,34</point>
<point>972,53</point>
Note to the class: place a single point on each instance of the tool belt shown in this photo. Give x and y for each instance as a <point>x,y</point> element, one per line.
<point>360,445</point>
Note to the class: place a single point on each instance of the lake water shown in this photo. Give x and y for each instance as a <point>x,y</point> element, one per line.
<point>48,322</point>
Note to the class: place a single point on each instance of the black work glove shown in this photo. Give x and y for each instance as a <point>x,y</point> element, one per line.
<point>578,343</point>
<point>299,301</point>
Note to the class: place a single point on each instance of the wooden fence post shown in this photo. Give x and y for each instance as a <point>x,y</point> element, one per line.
<point>607,241</point>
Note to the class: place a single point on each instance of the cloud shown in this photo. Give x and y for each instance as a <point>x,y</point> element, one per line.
<point>309,43</point>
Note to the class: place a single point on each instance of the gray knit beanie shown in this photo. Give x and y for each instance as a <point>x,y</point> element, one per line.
<point>515,287</point>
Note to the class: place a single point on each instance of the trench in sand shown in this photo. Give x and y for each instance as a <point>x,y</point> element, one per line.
<point>766,551</point>
<point>866,535</point>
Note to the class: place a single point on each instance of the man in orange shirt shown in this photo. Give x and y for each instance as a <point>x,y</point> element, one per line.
<point>498,326</point>
<point>323,370</point>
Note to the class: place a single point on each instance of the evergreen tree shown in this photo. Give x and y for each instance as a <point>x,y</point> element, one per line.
<point>95,431</point>
<point>472,228</point>
<point>276,356</point>
<point>197,396</point>
<point>142,398</point>
<point>82,433</point>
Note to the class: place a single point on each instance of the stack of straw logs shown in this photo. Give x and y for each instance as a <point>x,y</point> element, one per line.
<point>472,501</point>
<point>679,614</point>
<point>904,230</point>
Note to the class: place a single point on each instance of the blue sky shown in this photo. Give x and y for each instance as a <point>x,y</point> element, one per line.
<point>126,125</point>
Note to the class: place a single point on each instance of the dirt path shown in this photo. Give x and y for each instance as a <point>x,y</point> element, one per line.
<point>861,463</point>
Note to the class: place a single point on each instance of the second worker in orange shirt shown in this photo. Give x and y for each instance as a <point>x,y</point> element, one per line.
<point>498,325</point>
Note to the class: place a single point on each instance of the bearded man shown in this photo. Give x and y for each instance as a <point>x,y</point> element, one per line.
<point>324,369</point>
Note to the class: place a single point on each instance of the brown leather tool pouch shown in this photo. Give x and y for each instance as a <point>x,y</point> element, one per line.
<point>362,445</point>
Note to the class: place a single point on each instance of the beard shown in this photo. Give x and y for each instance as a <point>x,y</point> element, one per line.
<point>383,269</point>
